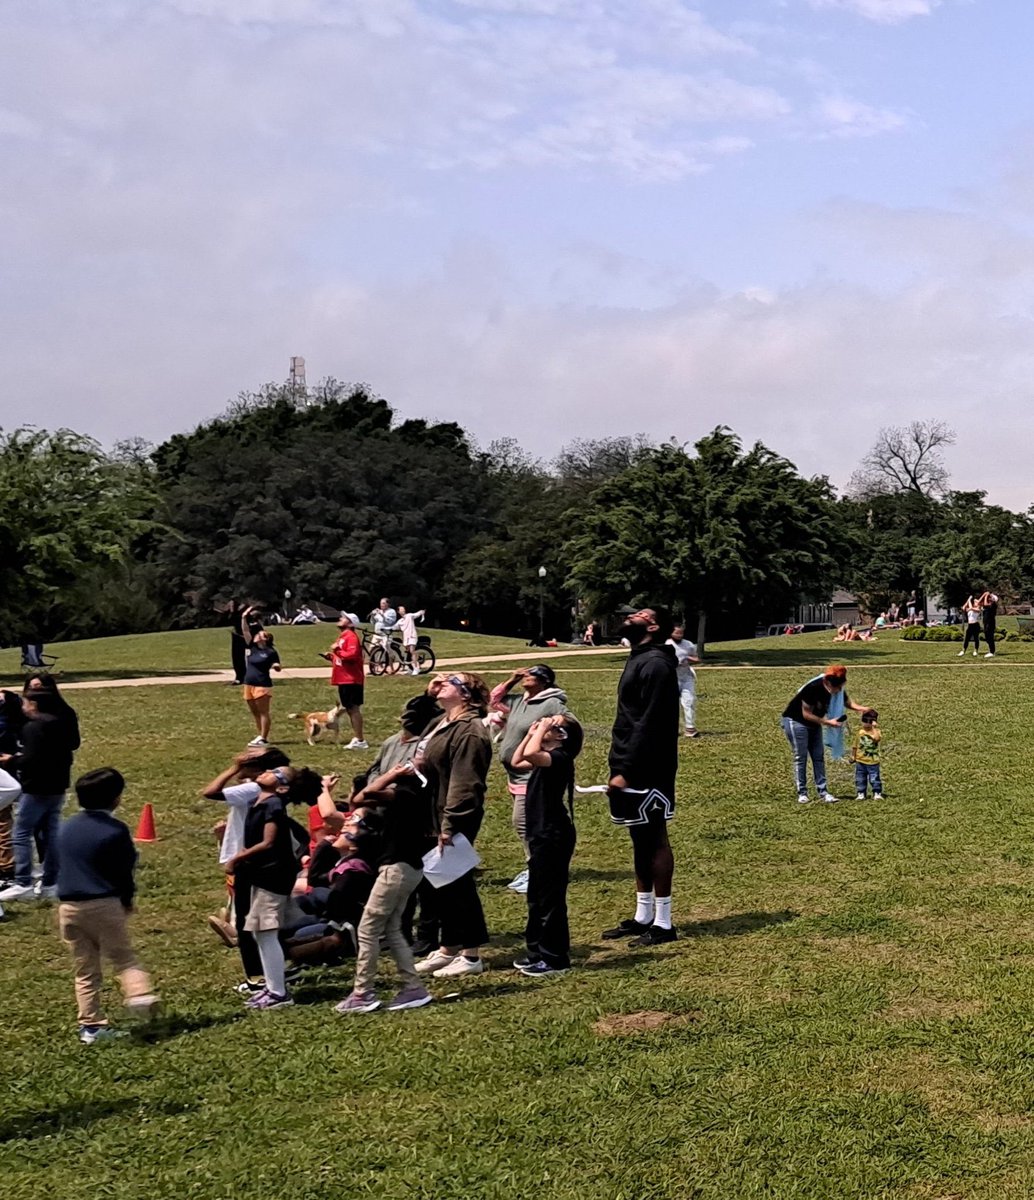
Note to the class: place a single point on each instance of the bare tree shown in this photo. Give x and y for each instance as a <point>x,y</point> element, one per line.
<point>591,460</point>
<point>906,458</point>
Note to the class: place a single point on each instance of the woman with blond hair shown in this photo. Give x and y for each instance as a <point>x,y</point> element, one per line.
<point>820,704</point>
<point>454,756</point>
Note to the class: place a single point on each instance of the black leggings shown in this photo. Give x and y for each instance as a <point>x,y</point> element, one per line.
<point>972,635</point>
<point>547,934</point>
<point>246,944</point>
<point>989,637</point>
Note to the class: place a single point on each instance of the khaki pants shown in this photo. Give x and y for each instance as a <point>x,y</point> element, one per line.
<point>93,929</point>
<point>382,917</point>
<point>6,842</point>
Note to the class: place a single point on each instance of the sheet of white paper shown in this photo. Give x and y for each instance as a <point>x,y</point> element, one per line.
<point>446,865</point>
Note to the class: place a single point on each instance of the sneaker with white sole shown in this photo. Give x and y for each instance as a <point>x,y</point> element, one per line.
<point>251,987</point>
<point>877,795</point>
<point>860,796</point>
<point>143,1008</point>
<point>267,1000</point>
<point>961,654</point>
<point>19,891</point>
<point>410,997</point>
<point>356,744</point>
<point>358,1002</point>
<point>519,883</point>
<point>433,962</point>
<point>537,969</point>
<point>826,798</point>
<point>804,798</point>
<point>991,655</point>
<point>258,741</point>
<point>461,965</point>
<point>90,1035</point>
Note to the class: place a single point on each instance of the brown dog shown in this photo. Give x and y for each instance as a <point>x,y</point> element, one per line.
<point>319,723</point>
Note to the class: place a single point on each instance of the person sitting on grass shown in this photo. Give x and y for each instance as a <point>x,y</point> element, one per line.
<point>96,888</point>
<point>549,750</point>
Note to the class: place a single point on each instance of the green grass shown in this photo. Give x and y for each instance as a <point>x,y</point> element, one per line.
<point>852,990</point>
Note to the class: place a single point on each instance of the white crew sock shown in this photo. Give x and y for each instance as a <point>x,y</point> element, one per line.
<point>663,914</point>
<point>272,955</point>
<point>644,908</point>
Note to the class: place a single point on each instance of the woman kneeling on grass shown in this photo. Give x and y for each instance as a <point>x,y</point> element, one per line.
<point>549,750</point>
<point>455,756</point>
<point>258,683</point>
<point>268,866</point>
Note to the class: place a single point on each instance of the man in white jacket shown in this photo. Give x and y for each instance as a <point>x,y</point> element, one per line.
<point>686,653</point>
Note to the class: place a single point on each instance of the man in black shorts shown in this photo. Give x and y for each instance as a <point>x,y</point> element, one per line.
<point>644,755</point>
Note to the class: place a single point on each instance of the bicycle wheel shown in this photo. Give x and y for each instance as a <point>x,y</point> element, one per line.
<point>425,659</point>
<point>395,663</point>
<point>378,660</point>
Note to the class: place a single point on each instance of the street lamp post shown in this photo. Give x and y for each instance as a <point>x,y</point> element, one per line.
<point>542,604</point>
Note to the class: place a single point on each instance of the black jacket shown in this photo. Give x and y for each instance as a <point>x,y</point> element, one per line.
<point>644,744</point>
<point>96,858</point>
<point>44,767</point>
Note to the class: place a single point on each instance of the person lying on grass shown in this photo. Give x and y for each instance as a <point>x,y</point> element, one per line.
<point>549,750</point>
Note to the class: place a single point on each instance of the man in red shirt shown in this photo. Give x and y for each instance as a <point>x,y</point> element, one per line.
<point>348,675</point>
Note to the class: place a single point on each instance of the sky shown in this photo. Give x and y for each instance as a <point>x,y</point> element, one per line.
<point>543,219</point>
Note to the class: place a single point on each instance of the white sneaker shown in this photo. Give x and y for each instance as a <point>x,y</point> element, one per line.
<point>18,891</point>
<point>461,966</point>
<point>826,798</point>
<point>143,1007</point>
<point>519,884</point>
<point>877,795</point>
<point>991,655</point>
<point>960,654</point>
<point>257,741</point>
<point>860,796</point>
<point>356,744</point>
<point>414,671</point>
<point>804,798</point>
<point>433,962</point>
<point>975,653</point>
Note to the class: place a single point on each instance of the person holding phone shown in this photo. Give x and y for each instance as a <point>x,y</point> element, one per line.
<point>804,719</point>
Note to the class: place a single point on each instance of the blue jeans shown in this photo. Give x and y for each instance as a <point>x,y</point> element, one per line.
<point>806,742</point>
<point>36,812</point>
<point>868,773</point>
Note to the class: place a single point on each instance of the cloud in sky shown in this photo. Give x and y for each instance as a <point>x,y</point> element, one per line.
<point>544,218</point>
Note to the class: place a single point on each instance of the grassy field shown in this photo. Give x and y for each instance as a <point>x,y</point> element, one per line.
<point>848,1012</point>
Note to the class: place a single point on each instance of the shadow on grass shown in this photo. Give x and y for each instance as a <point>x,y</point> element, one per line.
<point>77,1114</point>
<point>589,873</point>
<point>737,924</point>
<point>793,656</point>
<point>174,1025</point>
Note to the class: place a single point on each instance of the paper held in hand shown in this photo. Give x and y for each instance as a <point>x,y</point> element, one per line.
<point>446,864</point>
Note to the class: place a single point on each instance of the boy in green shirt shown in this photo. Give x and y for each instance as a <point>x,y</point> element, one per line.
<point>866,756</point>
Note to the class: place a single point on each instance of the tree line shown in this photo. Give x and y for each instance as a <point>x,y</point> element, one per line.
<point>325,494</point>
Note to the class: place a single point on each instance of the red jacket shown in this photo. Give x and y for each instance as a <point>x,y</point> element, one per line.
<point>346,659</point>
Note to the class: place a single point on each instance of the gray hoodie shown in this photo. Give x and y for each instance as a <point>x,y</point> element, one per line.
<point>525,710</point>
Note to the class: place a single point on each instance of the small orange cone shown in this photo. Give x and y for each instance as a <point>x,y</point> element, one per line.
<point>145,829</point>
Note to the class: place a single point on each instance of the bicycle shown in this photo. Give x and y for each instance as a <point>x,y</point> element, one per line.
<point>391,658</point>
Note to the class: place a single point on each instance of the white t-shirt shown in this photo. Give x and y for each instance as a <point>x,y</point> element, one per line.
<point>684,651</point>
<point>973,616</point>
<point>237,799</point>
<point>408,626</point>
<point>10,790</point>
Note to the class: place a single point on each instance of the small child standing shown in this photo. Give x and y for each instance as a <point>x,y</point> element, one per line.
<point>866,756</point>
<point>95,886</point>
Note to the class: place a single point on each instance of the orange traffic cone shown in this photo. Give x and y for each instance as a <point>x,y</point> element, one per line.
<point>145,828</point>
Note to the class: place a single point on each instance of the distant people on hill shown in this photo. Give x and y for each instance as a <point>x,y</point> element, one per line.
<point>348,675</point>
<point>971,611</point>
<point>262,658</point>
<point>32,655</point>
<point>644,753</point>
<point>989,614</point>
<point>305,616</point>
<point>911,607</point>
<point>592,635</point>
<point>407,625</point>
<point>820,704</point>
<point>686,654</point>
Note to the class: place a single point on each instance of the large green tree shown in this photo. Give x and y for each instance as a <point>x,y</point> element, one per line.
<point>716,532</point>
<point>70,510</point>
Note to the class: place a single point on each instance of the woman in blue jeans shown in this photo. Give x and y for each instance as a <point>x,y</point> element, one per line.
<point>804,719</point>
<point>44,768</point>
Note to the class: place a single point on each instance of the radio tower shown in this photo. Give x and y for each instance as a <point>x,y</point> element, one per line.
<point>297,377</point>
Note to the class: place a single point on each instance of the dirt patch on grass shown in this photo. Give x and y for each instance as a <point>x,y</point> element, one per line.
<point>938,1008</point>
<point>645,1021</point>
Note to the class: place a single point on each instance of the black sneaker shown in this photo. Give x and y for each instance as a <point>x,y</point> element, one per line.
<point>625,929</point>
<point>655,936</point>
<point>524,961</point>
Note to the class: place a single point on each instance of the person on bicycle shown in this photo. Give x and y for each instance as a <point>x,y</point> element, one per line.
<point>348,676</point>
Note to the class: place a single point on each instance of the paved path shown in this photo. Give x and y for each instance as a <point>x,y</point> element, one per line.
<point>225,677</point>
